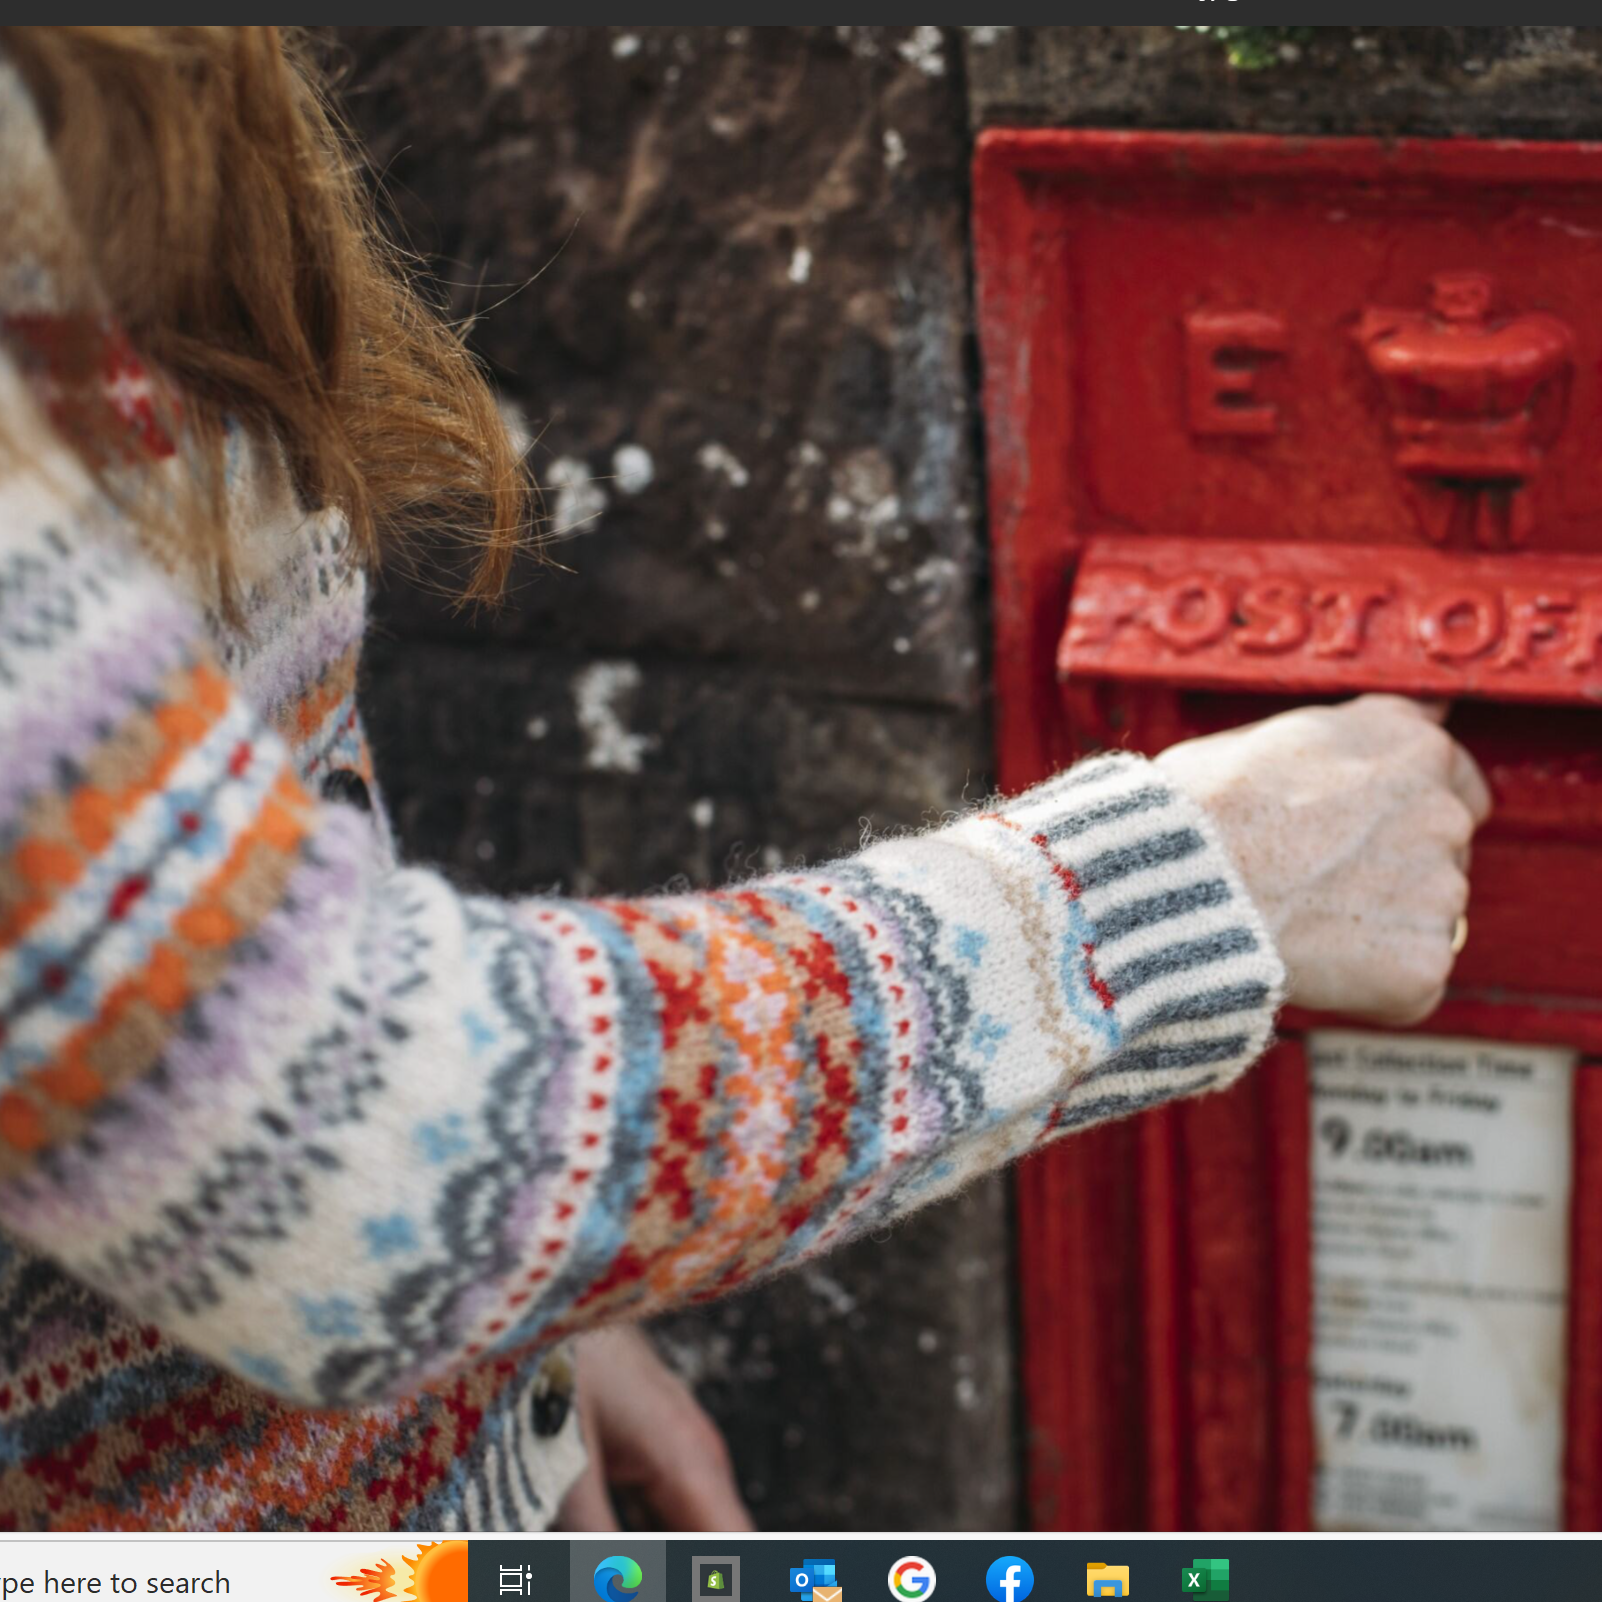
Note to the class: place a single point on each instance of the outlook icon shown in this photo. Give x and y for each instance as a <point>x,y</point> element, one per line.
<point>1009,1579</point>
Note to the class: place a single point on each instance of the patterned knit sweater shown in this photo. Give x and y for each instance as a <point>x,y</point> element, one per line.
<point>307,1157</point>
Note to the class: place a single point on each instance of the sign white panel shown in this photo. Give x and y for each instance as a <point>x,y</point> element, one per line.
<point>1441,1177</point>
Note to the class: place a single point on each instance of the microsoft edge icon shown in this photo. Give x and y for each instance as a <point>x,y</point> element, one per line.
<point>618,1579</point>
<point>1009,1579</point>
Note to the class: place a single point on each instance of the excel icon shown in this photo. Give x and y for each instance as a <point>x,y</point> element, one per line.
<point>1206,1577</point>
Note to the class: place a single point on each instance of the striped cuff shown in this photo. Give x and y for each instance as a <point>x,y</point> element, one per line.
<point>1172,943</point>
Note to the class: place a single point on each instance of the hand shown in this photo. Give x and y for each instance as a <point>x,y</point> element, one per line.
<point>1351,827</point>
<point>645,1431</point>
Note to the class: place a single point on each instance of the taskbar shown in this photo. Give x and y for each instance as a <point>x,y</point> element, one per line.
<point>381,1567</point>
<point>978,1568</point>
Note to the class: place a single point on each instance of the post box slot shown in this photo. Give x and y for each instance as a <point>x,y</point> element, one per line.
<point>1217,634</point>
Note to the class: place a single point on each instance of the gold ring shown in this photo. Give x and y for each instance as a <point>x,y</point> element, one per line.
<point>1459,933</point>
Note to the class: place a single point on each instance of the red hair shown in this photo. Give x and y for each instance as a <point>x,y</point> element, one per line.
<point>219,197</point>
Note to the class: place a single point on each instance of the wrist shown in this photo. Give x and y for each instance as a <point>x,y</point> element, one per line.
<point>1219,795</point>
<point>1242,822</point>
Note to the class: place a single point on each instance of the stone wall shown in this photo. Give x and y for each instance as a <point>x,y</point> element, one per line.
<point>722,277</point>
<point>1530,83</point>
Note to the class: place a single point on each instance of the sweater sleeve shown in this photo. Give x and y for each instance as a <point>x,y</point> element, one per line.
<point>340,1127</point>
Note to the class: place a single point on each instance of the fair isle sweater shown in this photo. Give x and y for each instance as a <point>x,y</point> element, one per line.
<point>309,1161</point>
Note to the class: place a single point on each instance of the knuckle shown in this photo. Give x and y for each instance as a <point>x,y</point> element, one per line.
<point>1419,989</point>
<point>1435,826</point>
<point>1443,890</point>
<point>1384,703</point>
<point>1369,715</point>
<point>1421,979</point>
<point>1454,822</point>
<point>1434,748</point>
<point>1421,1006</point>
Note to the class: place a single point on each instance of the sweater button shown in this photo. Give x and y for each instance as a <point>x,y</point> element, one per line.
<point>552,1398</point>
<point>345,784</point>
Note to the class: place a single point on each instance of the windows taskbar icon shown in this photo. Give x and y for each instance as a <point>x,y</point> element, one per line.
<point>618,1579</point>
<point>716,1579</point>
<point>814,1578</point>
<point>911,1579</point>
<point>1207,1578</point>
<point>1009,1579</point>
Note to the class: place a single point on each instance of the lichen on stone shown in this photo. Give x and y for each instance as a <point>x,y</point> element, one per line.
<point>1252,49</point>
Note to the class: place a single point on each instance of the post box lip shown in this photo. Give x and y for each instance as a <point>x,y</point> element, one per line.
<point>1387,652</point>
<point>1199,155</point>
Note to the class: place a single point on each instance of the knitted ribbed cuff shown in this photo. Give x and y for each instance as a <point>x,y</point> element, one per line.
<point>1172,945</point>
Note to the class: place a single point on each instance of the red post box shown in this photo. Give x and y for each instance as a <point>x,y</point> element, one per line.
<point>1272,420</point>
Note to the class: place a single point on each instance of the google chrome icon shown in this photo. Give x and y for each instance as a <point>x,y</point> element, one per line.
<point>618,1579</point>
<point>912,1579</point>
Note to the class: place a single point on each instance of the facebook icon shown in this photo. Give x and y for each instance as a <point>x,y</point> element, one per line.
<point>1009,1579</point>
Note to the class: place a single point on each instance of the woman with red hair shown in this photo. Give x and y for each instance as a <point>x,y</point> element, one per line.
<point>311,1164</point>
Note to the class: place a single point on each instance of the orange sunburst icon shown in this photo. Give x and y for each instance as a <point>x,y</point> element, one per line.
<point>438,1574</point>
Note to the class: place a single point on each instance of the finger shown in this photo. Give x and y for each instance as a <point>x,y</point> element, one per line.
<point>699,1496</point>
<point>1468,783</point>
<point>659,1442</point>
<point>1443,816</point>
<point>1405,1016</point>
<point>1450,893</point>
<point>588,1506</point>
<point>1438,899</point>
<point>1380,701</point>
<point>1435,711</point>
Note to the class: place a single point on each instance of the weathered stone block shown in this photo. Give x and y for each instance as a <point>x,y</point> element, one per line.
<point>1532,83</point>
<point>722,276</point>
